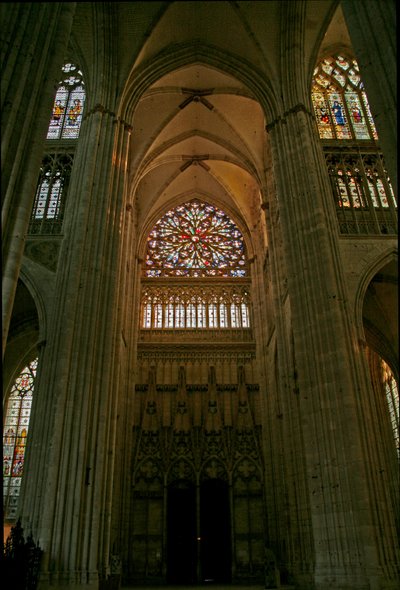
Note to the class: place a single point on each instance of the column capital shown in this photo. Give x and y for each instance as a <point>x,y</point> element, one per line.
<point>298,108</point>
<point>99,108</point>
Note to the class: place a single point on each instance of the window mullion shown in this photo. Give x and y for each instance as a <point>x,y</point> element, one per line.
<point>370,205</point>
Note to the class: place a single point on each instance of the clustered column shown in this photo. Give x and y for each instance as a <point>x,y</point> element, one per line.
<point>69,499</point>
<point>331,379</point>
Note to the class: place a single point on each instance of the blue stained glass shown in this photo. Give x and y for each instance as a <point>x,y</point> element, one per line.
<point>195,239</point>
<point>15,434</point>
<point>339,100</point>
<point>68,105</point>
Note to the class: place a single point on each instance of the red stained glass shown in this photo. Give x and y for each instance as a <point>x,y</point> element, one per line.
<point>340,103</point>
<point>195,239</point>
<point>68,105</point>
<point>15,430</point>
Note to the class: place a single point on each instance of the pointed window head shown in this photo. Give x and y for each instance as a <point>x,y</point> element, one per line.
<point>68,105</point>
<point>340,102</point>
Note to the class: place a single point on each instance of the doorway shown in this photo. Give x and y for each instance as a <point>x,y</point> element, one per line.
<point>215,532</point>
<point>181,533</point>
<point>202,522</point>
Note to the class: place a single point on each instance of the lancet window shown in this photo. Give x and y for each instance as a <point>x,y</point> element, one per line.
<point>340,101</point>
<point>48,209</point>
<point>364,197</point>
<point>392,398</point>
<point>63,131</point>
<point>363,194</point>
<point>196,271</point>
<point>16,426</point>
<point>65,122</point>
<point>206,307</point>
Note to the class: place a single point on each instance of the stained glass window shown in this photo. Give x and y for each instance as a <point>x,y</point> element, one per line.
<point>212,316</point>
<point>364,197</point>
<point>223,316</point>
<point>68,105</point>
<point>179,316</point>
<point>191,316</point>
<point>235,315</point>
<point>147,316</point>
<point>198,241</point>
<point>340,102</point>
<point>48,209</point>
<point>363,193</point>
<point>15,435</point>
<point>182,308</point>
<point>245,315</point>
<point>392,398</point>
<point>195,240</point>
<point>201,315</point>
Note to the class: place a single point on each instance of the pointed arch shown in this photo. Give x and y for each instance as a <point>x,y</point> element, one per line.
<point>340,102</point>
<point>177,56</point>
<point>213,468</point>
<point>389,257</point>
<point>15,436</point>
<point>198,240</point>
<point>206,197</point>
<point>181,470</point>
<point>64,128</point>
<point>362,190</point>
<point>69,102</point>
<point>379,311</point>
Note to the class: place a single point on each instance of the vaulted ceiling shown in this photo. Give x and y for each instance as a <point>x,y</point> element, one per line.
<point>191,139</point>
<point>198,130</point>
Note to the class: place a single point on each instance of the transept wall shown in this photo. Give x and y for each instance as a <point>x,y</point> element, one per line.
<point>272,416</point>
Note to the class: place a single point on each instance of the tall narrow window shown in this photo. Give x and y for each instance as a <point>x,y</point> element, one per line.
<point>191,316</point>
<point>363,194</point>
<point>235,316</point>
<point>68,105</point>
<point>16,426</point>
<point>147,315</point>
<point>245,315</point>
<point>201,315</point>
<point>392,398</point>
<point>170,315</point>
<point>48,209</point>
<point>340,101</point>
<point>223,316</point>
<point>65,123</point>
<point>158,315</point>
<point>180,316</point>
<point>212,316</point>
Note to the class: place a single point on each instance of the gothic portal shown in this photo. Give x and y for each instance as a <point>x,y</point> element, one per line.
<point>198,491</point>
<point>197,512</point>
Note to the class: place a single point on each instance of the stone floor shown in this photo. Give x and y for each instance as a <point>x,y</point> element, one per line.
<point>202,587</point>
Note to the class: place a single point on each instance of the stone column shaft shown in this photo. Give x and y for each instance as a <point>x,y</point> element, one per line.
<point>342,496</point>
<point>72,498</point>
<point>286,446</point>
